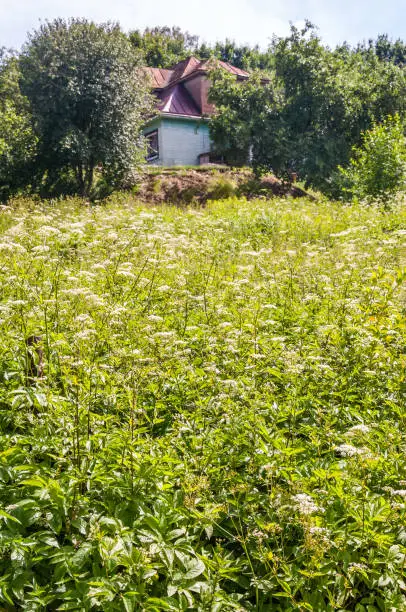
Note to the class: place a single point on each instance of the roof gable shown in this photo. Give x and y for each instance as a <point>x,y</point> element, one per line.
<point>184,68</point>
<point>176,100</point>
<point>160,77</point>
<point>187,68</point>
<point>183,89</point>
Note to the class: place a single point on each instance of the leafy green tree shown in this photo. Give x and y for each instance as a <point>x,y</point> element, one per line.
<point>248,125</point>
<point>241,56</point>
<point>377,169</point>
<point>87,98</point>
<point>9,80</point>
<point>17,149</point>
<point>162,47</point>
<point>17,139</point>
<point>311,112</point>
<point>385,49</point>
<point>330,99</point>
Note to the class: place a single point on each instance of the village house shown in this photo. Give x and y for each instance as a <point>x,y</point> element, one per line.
<point>179,132</point>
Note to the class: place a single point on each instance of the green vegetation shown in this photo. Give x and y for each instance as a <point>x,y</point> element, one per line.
<point>87,98</point>
<point>218,421</point>
<point>17,139</point>
<point>72,105</point>
<point>377,170</point>
<point>163,47</point>
<point>312,110</point>
<point>74,100</point>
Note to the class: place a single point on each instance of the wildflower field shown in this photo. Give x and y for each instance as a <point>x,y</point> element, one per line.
<point>220,419</point>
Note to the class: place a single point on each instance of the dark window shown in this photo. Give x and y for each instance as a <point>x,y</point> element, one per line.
<point>152,145</point>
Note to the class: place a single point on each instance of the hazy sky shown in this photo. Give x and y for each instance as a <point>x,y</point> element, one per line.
<point>252,21</point>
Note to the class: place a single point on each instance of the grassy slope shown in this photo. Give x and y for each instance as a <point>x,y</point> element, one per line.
<point>221,424</point>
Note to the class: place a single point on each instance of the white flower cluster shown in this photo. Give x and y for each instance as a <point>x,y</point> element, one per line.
<point>304,503</point>
<point>400,492</point>
<point>319,531</point>
<point>348,450</point>
<point>361,428</point>
<point>321,534</point>
<point>357,567</point>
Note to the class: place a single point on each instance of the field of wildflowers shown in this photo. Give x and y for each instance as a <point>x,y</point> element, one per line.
<point>220,421</point>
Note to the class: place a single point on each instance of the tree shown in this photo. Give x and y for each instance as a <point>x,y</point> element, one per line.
<point>241,56</point>
<point>377,168</point>
<point>162,47</point>
<point>385,49</point>
<point>248,125</point>
<point>17,139</point>
<point>88,99</point>
<point>310,112</point>
<point>330,99</point>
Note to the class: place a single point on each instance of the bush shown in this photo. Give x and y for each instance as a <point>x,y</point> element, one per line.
<point>221,189</point>
<point>377,170</point>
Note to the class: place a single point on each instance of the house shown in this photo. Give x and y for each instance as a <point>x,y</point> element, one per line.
<point>179,133</point>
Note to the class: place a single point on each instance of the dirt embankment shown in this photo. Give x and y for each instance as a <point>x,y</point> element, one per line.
<point>188,185</point>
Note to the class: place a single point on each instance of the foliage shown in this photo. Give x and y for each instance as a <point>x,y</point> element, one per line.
<point>162,47</point>
<point>385,49</point>
<point>17,139</point>
<point>248,125</point>
<point>220,423</point>
<point>221,188</point>
<point>331,97</point>
<point>377,170</point>
<point>242,56</point>
<point>87,98</point>
<point>310,113</point>
<point>9,81</point>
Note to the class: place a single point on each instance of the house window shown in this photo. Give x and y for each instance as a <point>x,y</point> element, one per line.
<point>152,145</point>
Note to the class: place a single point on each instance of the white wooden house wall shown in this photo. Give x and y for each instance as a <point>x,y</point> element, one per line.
<point>181,140</point>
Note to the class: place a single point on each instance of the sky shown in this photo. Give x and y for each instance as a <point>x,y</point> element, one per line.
<point>245,21</point>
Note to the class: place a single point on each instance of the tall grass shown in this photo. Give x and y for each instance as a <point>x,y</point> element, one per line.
<point>221,420</point>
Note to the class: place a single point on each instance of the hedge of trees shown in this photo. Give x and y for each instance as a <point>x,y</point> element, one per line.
<point>73,101</point>
<point>315,106</point>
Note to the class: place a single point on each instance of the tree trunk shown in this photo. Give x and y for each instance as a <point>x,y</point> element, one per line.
<point>81,180</point>
<point>88,182</point>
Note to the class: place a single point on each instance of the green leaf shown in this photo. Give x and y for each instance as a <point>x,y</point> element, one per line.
<point>5,515</point>
<point>194,568</point>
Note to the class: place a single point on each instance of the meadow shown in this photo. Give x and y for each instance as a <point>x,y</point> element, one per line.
<point>220,420</point>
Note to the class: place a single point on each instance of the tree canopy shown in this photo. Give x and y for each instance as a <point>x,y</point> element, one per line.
<point>161,47</point>
<point>311,111</point>
<point>88,99</point>
<point>17,140</point>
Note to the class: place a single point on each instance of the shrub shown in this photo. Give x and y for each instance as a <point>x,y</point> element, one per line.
<point>377,170</point>
<point>220,189</point>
